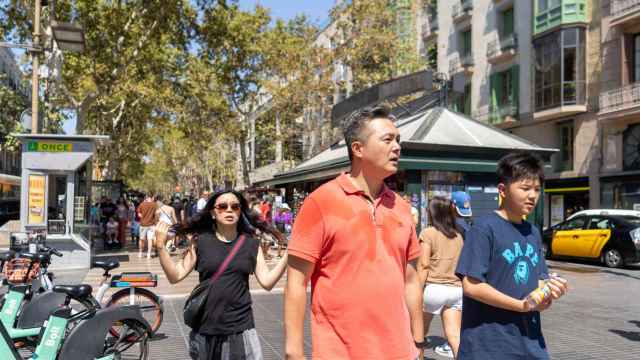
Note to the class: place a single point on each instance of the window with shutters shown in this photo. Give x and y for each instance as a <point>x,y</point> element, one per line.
<point>504,94</point>
<point>565,160</point>
<point>507,23</point>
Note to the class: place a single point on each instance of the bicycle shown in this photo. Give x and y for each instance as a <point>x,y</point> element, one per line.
<point>29,311</point>
<point>84,334</point>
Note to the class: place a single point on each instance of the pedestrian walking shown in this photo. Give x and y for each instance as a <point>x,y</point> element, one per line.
<point>501,263</point>
<point>462,202</point>
<point>166,214</point>
<point>462,209</point>
<point>441,245</point>
<point>415,214</point>
<point>355,240</point>
<point>122,213</point>
<point>202,201</point>
<point>224,252</point>
<point>148,218</point>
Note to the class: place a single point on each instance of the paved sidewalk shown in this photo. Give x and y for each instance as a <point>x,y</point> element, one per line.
<point>599,319</point>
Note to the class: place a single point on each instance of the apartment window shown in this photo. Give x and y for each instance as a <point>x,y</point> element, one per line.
<point>504,93</point>
<point>566,146</point>
<point>636,58</point>
<point>507,22</point>
<point>542,5</point>
<point>463,102</point>
<point>560,69</point>
<point>465,43</point>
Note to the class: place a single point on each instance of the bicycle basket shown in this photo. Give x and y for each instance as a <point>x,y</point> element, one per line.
<point>15,271</point>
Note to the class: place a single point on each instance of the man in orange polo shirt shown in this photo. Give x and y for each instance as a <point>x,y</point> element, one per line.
<point>355,240</point>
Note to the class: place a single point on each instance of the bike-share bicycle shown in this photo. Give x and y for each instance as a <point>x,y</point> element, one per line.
<point>84,335</point>
<point>28,305</point>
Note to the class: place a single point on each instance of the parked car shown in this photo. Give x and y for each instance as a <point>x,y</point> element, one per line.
<point>610,237</point>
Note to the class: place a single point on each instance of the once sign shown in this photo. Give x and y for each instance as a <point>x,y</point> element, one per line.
<point>38,146</point>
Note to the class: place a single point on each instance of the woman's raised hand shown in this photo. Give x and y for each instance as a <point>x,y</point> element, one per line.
<point>161,235</point>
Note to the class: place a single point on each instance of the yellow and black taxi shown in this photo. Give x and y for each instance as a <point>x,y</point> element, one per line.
<point>611,236</point>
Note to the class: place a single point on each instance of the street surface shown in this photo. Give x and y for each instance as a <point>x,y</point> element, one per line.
<point>599,319</point>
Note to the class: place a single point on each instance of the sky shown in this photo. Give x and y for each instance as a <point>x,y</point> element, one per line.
<point>316,10</point>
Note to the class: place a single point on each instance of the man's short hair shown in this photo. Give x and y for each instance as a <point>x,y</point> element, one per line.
<point>354,127</point>
<point>518,166</point>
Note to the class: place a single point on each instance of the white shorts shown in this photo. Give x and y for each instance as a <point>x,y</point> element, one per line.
<point>438,297</point>
<point>146,232</point>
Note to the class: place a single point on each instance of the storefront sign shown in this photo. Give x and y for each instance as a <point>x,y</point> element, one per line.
<point>557,209</point>
<point>55,147</point>
<point>36,199</point>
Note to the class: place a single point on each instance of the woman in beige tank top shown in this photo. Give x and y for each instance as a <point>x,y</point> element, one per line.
<point>441,247</point>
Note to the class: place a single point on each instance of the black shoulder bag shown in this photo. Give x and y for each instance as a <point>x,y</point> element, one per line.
<point>194,306</point>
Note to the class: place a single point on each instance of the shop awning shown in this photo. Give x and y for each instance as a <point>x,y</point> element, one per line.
<point>420,163</point>
<point>433,139</point>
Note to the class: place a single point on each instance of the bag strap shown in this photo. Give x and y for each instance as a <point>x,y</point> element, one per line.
<point>228,259</point>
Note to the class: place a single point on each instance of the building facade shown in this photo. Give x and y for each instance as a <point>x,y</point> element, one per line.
<point>619,101</point>
<point>533,68</point>
<point>11,77</point>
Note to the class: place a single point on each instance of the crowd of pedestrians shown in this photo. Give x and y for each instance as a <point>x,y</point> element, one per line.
<point>375,284</point>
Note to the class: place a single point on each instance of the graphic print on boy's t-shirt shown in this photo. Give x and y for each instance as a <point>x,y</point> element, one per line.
<point>520,261</point>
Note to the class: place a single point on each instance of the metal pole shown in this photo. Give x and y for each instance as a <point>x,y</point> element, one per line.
<point>35,69</point>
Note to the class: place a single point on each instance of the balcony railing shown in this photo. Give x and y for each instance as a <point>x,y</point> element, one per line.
<point>623,98</point>
<point>462,10</point>
<point>623,7</point>
<point>504,45</point>
<point>504,112</point>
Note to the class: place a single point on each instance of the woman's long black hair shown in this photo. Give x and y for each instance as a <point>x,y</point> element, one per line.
<point>248,222</point>
<point>442,217</point>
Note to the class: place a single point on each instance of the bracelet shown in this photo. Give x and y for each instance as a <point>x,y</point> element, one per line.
<point>421,345</point>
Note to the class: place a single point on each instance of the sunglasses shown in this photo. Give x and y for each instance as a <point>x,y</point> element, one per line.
<point>225,206</point>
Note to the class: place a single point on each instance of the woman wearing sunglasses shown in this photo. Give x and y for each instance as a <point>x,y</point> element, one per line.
<point>227,330</point>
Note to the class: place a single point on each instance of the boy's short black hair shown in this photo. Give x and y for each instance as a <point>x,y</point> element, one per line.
<point>518,166</point>
<point>354,126</point>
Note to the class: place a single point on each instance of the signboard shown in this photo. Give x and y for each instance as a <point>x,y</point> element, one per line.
<point>55,147</point>
<point>36,199</point>
<point>557,209</point>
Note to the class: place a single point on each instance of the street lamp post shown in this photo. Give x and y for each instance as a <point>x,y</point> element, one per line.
<point>35,68</point>
<point>67,36</point>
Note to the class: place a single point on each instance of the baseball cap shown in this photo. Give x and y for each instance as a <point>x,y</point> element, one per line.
<point>462,201</point>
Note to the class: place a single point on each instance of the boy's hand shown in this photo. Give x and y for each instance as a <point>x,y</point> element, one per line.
<point>559,286</point>
<point>526,307</point>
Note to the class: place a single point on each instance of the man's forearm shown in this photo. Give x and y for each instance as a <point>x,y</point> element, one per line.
<point>413,298</point>
<point>295,301</point>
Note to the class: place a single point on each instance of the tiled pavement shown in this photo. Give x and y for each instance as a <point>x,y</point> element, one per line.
<point>599,319</point>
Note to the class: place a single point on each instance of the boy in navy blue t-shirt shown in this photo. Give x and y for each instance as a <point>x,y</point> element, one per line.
<point>500,264</point>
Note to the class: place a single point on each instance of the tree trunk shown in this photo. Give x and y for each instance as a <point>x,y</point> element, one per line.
<point>243,159</point>
<point>278,139</point>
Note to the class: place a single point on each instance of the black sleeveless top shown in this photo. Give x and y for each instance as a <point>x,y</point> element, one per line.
<point>228,307</point>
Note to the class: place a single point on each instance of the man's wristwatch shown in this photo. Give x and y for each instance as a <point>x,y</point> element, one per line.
<point>420,345</point>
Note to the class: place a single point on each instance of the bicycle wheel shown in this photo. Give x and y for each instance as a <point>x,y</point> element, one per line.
<point>149,303</point>
<point>123,349</point>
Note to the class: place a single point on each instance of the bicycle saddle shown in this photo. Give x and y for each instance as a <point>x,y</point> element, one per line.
<point>39,257</point>
<point>78,292</point>
<point>105,264</point>
<point>6,256</point>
